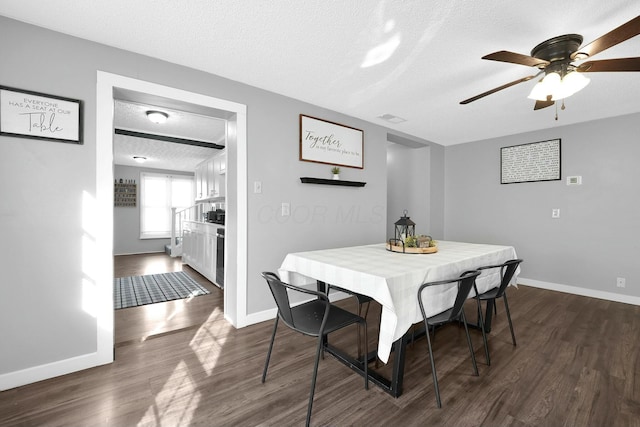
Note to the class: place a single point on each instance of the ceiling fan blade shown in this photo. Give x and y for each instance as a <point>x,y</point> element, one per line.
<point>515,58</point>
<point>612,38</point>
<point>619,64</point>
<point>499,88</point>
<point>543,104</point>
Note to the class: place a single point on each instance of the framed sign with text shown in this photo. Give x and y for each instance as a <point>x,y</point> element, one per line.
<point>28,114</point>
<point>322,141</point>
<point>536,161</point>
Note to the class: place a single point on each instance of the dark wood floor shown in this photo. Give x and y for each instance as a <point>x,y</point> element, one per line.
<point>577,363</point>
<point>140,323</point>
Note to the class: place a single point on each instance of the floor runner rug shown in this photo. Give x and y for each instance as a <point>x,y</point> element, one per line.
<point>141,290</point>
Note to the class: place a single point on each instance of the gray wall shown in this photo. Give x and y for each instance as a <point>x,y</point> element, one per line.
<point>321,216</point>
<point>408,186</point>
<point>594,241</point>
<point>126,220</point>
<point>47,186</point>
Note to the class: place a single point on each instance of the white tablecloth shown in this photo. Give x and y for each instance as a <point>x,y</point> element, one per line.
<point>393,279</point>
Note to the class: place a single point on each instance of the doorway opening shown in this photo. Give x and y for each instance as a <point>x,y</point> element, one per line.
<point>108,86</point>
<point>404,192</point>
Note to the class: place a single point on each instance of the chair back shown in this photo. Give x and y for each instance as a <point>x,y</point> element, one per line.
<point>281,296</point>
<point>465,284</point>
<point>507,270</point>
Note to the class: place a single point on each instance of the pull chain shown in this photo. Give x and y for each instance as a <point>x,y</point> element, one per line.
<point>562,108</point>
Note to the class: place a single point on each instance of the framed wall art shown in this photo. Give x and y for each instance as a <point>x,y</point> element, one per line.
<point>536,161</point>
<point>28,114</point>
<point>322,141</point>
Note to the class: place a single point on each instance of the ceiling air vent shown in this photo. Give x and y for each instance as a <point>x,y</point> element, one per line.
<point>392,119</point>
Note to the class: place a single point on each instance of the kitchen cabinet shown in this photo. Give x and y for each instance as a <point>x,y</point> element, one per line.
<point>219,172</point>
<point>209,254</point>
<point>202,181</point>
<point>211,179</point>
<point>199,246</point>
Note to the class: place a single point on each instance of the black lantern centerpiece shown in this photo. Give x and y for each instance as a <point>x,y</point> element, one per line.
<point>405,227</point>
<point>406,241</point>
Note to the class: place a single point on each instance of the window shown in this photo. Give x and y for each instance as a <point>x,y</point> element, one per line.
<point>158,194</point>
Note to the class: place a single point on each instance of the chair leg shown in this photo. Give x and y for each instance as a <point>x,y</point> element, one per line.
<point>484,333</point>
<point>433,368</point>
<point>365,359</point>
<point>506,306</point>
<point>473,356</point>
<point>273,337</point>
<point>313,379</point>
<point>366,311</point>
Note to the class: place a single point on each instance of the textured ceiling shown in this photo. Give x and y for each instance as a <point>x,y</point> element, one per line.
<point>131,116</point>
<point>365,58</point>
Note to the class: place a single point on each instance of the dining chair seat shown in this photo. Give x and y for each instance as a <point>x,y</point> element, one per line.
<point>308,318</point>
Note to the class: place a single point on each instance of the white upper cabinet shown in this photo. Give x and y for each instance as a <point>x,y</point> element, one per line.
<point>210,178</point>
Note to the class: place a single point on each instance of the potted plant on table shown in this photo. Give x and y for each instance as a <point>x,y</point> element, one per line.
<point>336,172</point>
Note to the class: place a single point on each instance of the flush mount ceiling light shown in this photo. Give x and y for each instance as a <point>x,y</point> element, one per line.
<point>139,159</point>
<point>157,116</point>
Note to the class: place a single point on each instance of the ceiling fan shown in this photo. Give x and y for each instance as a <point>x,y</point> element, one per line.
<point>554,58</point>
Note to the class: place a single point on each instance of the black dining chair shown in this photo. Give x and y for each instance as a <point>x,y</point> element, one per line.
<point>507,271</point>
<point>465,283</point>
<point>363,301</point>
<point>315,318</point>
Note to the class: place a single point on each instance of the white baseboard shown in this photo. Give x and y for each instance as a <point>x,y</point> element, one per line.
<point>271,313</point>
<point>139,253</point>
<point>609,296</point>
<point>50,370</point>
<point>261,316</point>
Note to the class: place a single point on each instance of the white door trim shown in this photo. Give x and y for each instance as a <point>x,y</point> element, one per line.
<point>235,295</point>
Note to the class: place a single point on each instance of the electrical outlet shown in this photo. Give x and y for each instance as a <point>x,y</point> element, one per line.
<point>286,209</point>
<point>555,213</point>
<point>621,282</point>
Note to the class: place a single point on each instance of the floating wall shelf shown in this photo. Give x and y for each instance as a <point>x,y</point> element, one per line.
<point>309,180</point>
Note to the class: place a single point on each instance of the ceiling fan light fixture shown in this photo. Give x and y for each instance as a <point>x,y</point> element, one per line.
<point>545,87</point>
<point>157,117</point>
<point>572,83</point>
<point>558,88</point>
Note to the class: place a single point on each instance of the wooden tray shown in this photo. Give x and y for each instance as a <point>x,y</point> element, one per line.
<point>406,250</point>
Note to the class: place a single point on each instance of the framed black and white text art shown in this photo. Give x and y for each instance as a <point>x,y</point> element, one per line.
<point>28,114</point>
<point>536,161</point>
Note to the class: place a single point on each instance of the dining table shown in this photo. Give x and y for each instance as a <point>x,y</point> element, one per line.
<point>392,279</point>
